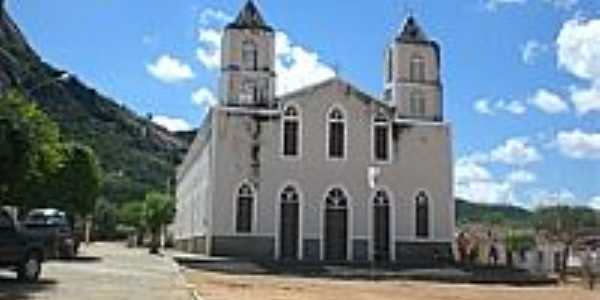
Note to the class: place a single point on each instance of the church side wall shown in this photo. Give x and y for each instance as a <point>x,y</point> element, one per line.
<point>193,203</point>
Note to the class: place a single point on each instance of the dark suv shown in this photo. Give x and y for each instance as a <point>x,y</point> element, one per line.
<point>19,249</point>
<point>54,225</point>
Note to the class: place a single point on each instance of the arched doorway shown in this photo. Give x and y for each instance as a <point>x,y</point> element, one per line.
<point>381,226</point>
<point>336,225</point>
<point>289,229</point>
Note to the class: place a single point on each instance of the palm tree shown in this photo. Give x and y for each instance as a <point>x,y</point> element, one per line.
<point>159,211</point>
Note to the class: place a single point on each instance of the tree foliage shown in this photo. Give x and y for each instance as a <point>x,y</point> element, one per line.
<point>37,169</point>
<point>159,210</point>
<point>564,224</point>
<point>77,182</point>
<point>30,149</point>
<point>133,214</point>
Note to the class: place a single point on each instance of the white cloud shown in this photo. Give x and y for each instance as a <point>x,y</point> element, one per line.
<point>482,106</point>
<point>514,107</point>
<point>579,54</point>
<point>548,102</point>
<point>578,50</point>
<point>521,176</point>
<point>297,67</point>
<point>578,144</point>
<point>515,151</point>
<point>209,36</point>
<point>486,107</point>
<point>491,192</point>
<point>468,170</point>
<point>172,124</point>
<point>586,100</point>
<point>210,16</point>
<point>209,52</point>
<point>474,182</point>
<point>169,69</point>
<point>531,50</point>
<point>204,97</point>
<point>595,203</point>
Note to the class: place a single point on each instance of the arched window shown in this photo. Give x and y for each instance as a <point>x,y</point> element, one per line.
<point>417,103</point>
<point>245,209</point>
<point>249,93</point>
<point>422,215</point>
<point>289,195</point>
<point>336,199</point>
<point>417,68</point>
<point>381,137</point>
<point>381,198</point>
<point>381,226</point>
<point>337,134</point>
<point>249,56</point>
<point>291,132</point>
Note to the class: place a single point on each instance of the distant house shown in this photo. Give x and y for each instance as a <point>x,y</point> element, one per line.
<point>327,172</point>
<point>542,256</point>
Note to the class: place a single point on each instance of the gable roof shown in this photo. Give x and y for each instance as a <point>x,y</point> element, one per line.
<point>329,82</point>
<point>249,18</point>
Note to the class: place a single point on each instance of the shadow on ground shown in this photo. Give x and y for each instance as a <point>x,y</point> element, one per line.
<point>82,259</point>
<point>12,289</point>
<point>364,271</point>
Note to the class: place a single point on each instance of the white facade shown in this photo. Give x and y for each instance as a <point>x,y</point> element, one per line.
<point>324,173</point>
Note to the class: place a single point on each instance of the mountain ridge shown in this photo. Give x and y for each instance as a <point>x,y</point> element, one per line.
<point>135,154</point>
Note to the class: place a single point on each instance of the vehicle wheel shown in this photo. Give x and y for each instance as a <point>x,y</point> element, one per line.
<point>30,270</point>
<point>69,253</point>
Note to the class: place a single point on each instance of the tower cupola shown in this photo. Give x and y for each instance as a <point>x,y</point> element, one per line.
<point>412,74</point>
<point>248,61</point>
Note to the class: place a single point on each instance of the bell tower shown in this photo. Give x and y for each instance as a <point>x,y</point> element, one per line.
<point>412,74</point>
<point>248,61</point>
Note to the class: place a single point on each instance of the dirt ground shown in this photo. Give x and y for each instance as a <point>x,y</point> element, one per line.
<point>217,286</point>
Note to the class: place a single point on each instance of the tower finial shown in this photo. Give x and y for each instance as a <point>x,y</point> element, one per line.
<point>250,17</point>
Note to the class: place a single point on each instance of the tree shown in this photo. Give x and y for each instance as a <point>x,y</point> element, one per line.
<point>77,182</point>
<point>159,211</point>
<point>517,241</point>
<point>29,150</point>
<point>563,224</point>
<point>105,219</point>
<point>133,214</point>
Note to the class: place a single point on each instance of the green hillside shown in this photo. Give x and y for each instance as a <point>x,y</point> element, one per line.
<point>469,212</point>
<point>135,154</point>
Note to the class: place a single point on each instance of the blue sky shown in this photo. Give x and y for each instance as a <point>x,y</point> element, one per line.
<point>521,77</point>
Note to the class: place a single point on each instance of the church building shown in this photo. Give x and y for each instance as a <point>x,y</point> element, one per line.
<point>325,173</point>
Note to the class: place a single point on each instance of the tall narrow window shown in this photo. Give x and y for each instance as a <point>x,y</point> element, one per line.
<point>291,132</point>
<point>390,65</point>
<point>245,208</point>
<point>422,215</point>
<point>417,68</point>
<point>417,103</point>
<point>249,93</point>
<point>249,56</point>
<point>337,132</point>
<point>381,137</point>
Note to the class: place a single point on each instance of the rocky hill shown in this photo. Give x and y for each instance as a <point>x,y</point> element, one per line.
<point>135,154</point>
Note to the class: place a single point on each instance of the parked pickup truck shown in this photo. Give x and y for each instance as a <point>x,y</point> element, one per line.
<point>20,250</point>
<point>55,227</point>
